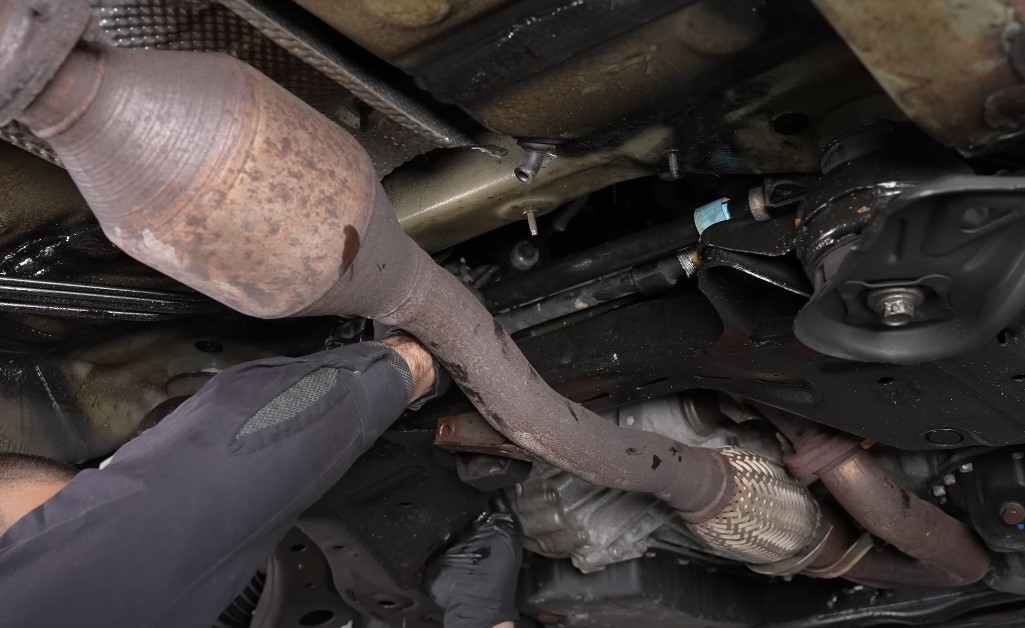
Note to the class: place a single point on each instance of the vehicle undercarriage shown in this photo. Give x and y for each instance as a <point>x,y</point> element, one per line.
<point>733,291</point>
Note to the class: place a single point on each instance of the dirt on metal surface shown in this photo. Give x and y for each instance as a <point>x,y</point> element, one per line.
<point>394,29</point>
<point>942,61</point>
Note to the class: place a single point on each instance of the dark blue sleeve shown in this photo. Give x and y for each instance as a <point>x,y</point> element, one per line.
<point>183,516</point>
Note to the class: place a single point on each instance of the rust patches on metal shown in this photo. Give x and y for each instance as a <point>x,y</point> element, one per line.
<point>243,212</point>
<point>916,527</point>
<point>469,432</point>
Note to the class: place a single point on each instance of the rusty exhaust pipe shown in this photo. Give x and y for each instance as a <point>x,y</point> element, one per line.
<point>204,169</point>
<point>876,566</point>
<point>949,551</point>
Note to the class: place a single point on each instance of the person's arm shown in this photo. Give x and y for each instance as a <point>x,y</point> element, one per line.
<point>184,515</point>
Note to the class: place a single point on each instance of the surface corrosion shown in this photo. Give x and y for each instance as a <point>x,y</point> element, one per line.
<point>266,154</point>
<point>954,67</point>
<point>914,526</point>
<point>469,432</point>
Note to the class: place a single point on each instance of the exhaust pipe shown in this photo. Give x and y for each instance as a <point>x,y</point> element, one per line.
<point>204,169</point>
<point>947,550</point>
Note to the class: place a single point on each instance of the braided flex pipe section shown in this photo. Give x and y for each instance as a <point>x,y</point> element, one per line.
<point>771,517</point>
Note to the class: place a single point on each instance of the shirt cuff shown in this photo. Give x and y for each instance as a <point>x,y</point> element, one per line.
<point>398,363</point>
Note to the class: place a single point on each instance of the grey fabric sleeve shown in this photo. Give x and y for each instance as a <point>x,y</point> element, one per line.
<point>398,363</point>
<point>182,517</point>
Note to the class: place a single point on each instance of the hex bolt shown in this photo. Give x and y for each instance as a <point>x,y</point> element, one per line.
<point>1012,513</point>
<point>895,306</point>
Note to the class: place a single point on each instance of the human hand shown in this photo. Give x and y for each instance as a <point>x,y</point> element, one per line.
<point>474,581</point>
<point>419,361</point>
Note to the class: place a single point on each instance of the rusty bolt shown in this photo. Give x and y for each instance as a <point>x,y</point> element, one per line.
<point>1012,513</point>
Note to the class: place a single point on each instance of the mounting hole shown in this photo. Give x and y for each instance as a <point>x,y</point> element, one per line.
<point>791,123</point>
<point>386,603</point>
<point>524,175</point>
<point>316,618</point>
<point>338,547</point>
<point>298,547</point>
<point>406,504</point>
<point>944,436</point>
<point>885,381</point>
<point>208,346</point>
<point>311,585</point>
<point>1018,378</point>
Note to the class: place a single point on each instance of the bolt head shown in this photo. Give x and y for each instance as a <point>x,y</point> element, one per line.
<point>895,307</point>
<point>1012,513</point>
<point>967,468</point>
<point>894,311</point>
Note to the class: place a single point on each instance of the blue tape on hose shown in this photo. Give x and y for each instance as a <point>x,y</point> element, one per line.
<point>711,213</point>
